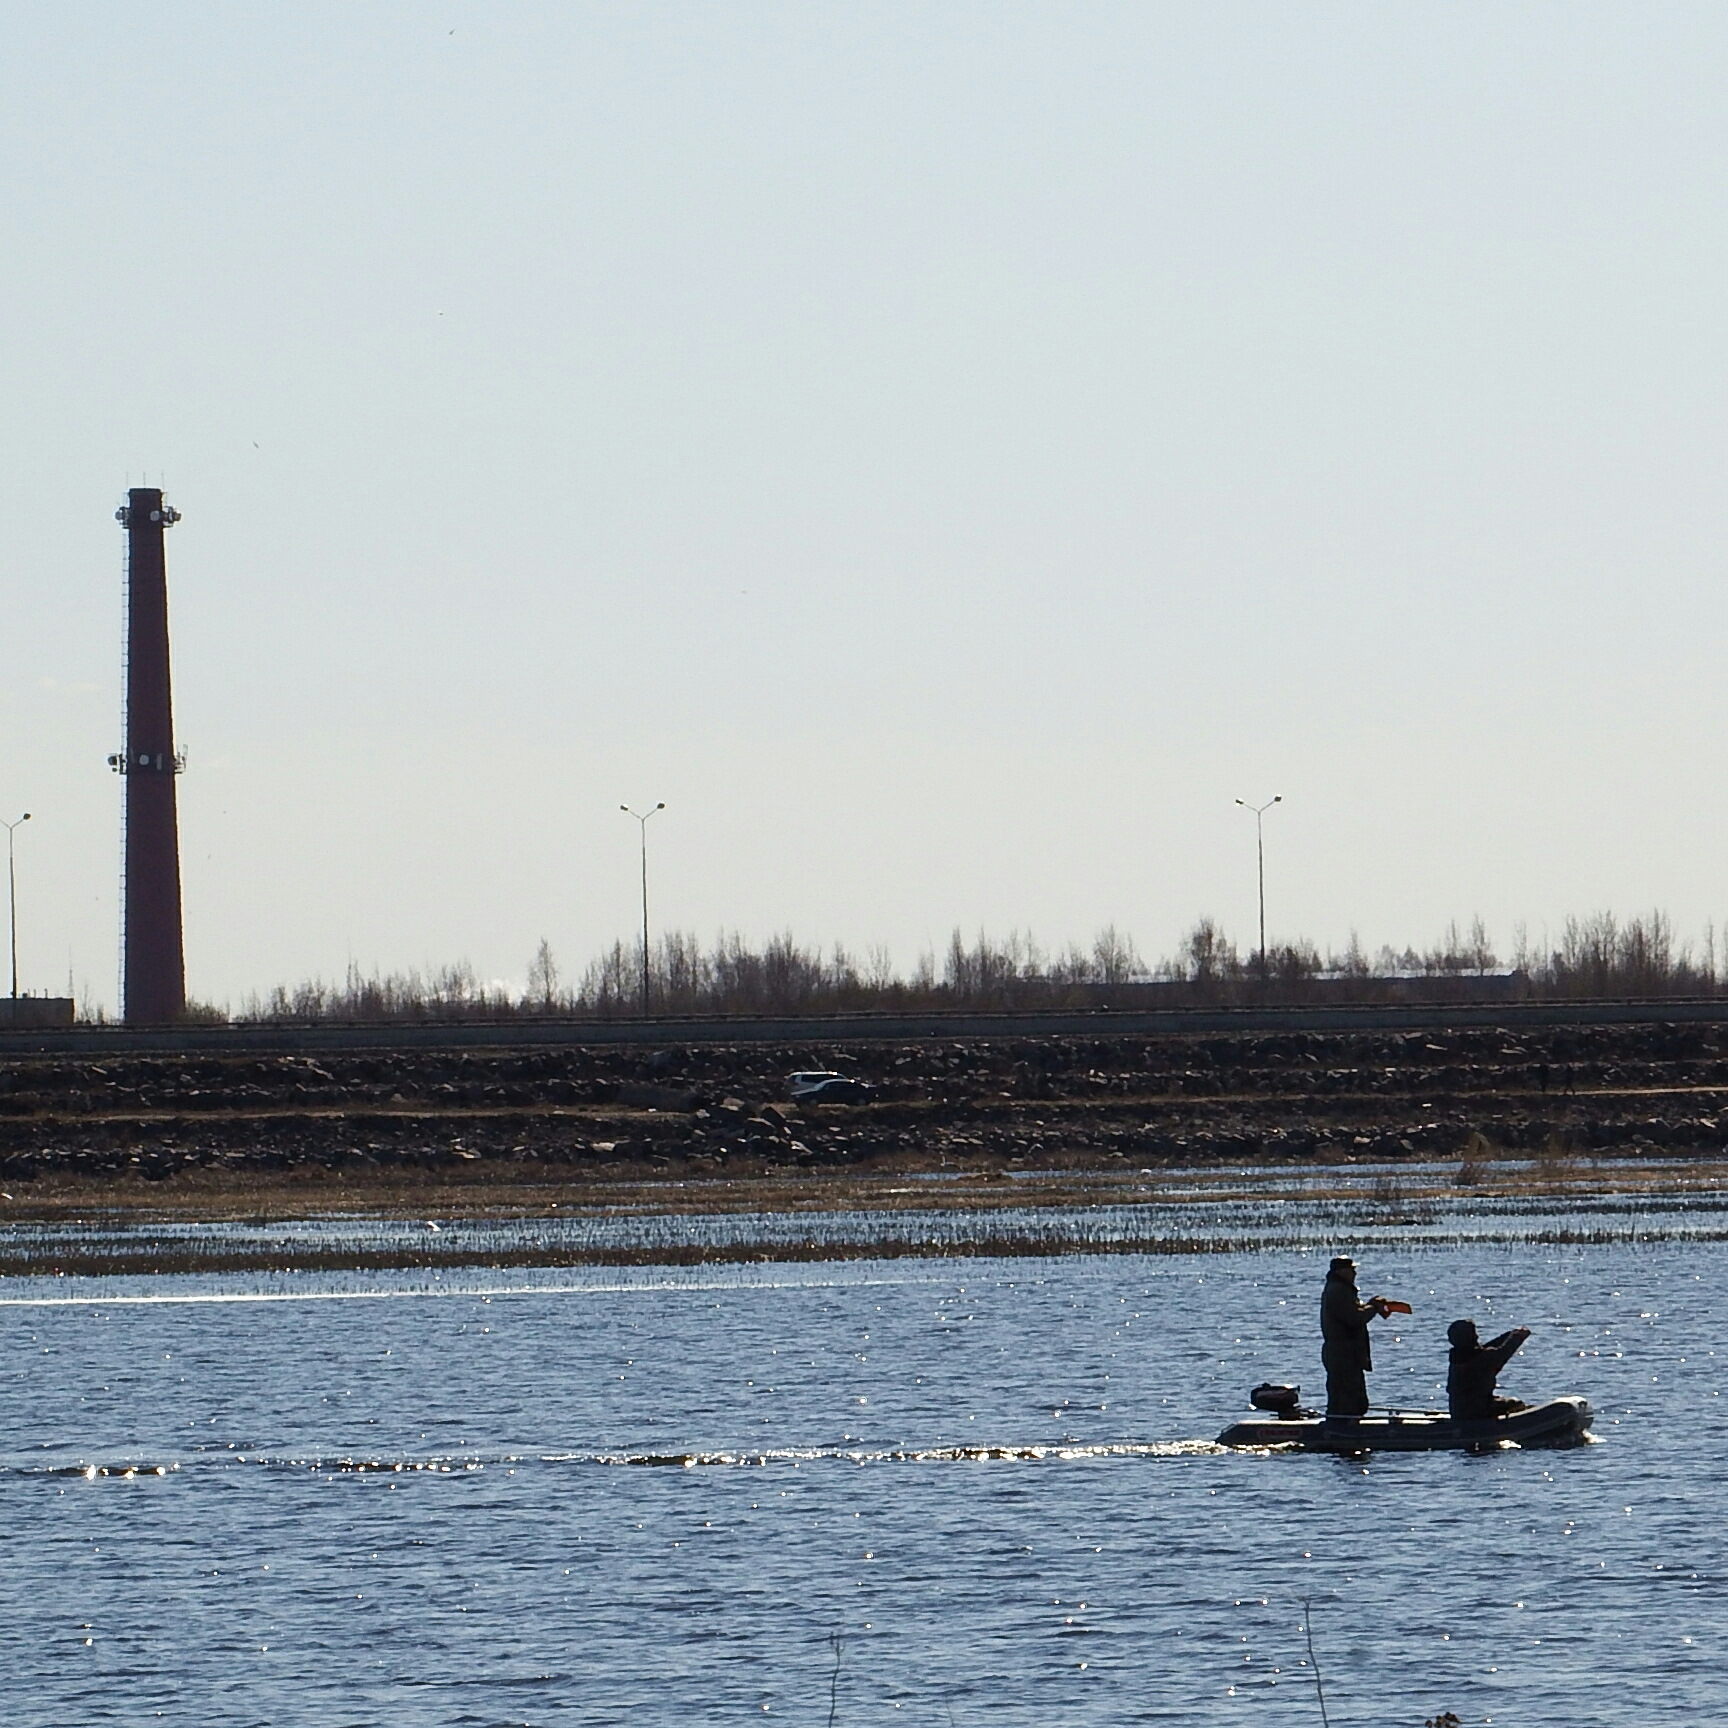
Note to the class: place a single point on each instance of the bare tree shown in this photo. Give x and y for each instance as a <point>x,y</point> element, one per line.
<point>1211,954</point>
<point>1114,958</point>
<point>1352,963</point>
<point>543,977</point>
<point>879,974</point>
<point>1480,950</point>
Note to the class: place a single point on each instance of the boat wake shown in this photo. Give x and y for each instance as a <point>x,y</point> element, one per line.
<point>1061,1452</point>
<point>124,1472</point>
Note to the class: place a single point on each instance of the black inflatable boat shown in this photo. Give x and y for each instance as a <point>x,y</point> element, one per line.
<point>1559,1422</point>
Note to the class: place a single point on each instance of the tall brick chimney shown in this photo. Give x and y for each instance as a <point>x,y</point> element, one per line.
<point>153,970</point>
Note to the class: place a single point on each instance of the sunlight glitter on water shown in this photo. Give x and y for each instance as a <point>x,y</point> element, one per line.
<point>585,1497</point>
<point>1198,1212</point>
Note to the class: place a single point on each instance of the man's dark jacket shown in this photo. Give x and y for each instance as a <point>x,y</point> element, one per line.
<point>1343,1325</point>
<point>1471,1373</point>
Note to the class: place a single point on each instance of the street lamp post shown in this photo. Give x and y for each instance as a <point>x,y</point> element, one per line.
<point>12,893</point>
<point>1260,856</point>
<point>643,819</point>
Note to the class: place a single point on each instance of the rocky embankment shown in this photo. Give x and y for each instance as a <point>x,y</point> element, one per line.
<point>599,1113</point>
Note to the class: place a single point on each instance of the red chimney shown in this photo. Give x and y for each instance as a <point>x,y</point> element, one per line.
<point>153,980</point>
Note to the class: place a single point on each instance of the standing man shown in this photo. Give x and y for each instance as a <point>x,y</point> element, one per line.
<point>1344,1340</point>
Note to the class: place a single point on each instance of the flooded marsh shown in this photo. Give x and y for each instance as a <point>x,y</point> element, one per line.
<point>498,1492</point>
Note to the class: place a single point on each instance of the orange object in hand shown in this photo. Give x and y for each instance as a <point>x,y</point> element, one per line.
<point>1391,1307</point>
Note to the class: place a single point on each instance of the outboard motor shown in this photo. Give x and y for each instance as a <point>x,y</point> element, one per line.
<point>1280,1400</point>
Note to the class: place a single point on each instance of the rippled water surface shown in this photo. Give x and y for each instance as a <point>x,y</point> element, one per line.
<point>655,1496</point>
<point>1288,1208</point>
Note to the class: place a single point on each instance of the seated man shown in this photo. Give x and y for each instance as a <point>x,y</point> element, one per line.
<point>1473,1369</point>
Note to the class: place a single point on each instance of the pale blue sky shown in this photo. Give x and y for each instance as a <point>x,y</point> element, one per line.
<point>947,452</point>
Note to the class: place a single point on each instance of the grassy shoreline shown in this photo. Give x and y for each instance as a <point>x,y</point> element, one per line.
<point>1011,1145</point>
<point>433,1223</point>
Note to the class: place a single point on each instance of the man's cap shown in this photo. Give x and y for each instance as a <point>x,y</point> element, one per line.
<point>1461,1332</point>
<point>1343,1263</point>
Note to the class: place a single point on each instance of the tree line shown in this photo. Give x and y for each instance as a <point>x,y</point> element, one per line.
<point>1600,956</point>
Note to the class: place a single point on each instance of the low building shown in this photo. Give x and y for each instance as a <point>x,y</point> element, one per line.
<point>36,1013</point>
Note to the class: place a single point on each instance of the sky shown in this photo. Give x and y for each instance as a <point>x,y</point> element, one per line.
<point>947,452</point>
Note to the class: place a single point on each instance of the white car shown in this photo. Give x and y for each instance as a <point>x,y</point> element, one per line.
<point>824,1086</point>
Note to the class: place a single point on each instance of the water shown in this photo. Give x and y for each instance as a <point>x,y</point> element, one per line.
<point>1373,1207</point>
<point>599,1497</point>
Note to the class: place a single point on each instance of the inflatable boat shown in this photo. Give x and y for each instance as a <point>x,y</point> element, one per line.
<point>1558,1422</point>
